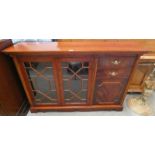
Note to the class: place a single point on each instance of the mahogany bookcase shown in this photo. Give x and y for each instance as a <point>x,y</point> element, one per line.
<point>76,75</point>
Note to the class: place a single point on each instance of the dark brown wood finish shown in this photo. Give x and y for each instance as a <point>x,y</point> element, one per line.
<point>111,65</point>
<point>112,78</point>
<point>12,96</point>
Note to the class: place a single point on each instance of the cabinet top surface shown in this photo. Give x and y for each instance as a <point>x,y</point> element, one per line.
<point>76,46</point>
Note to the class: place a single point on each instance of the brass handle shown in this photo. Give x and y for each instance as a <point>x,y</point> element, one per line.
<point>113,73</point>
<point>116,62</point>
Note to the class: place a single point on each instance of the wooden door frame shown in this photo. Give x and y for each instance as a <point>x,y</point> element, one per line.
<point>57,74</point>
<point>91,77</point>
<point>19,62</point>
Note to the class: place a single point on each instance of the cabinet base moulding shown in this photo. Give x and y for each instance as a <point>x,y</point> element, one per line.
<point>76,108</point>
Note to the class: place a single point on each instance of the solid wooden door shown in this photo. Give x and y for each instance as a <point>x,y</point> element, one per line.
<point>109,92</point>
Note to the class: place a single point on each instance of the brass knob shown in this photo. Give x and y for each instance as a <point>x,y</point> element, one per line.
<point>113,73</point>
<point>116,62</point>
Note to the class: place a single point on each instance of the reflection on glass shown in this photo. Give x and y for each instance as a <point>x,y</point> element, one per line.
<point>75,80</point>
<point>41,78</point>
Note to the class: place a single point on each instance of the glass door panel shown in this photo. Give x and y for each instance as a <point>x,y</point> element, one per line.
<point>40,76</point>
<point>75,82</point>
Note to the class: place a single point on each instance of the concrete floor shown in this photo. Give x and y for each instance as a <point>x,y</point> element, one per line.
<point>126,111</point>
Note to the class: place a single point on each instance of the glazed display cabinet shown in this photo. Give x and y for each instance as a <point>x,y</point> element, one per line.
<point>76,75</point>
